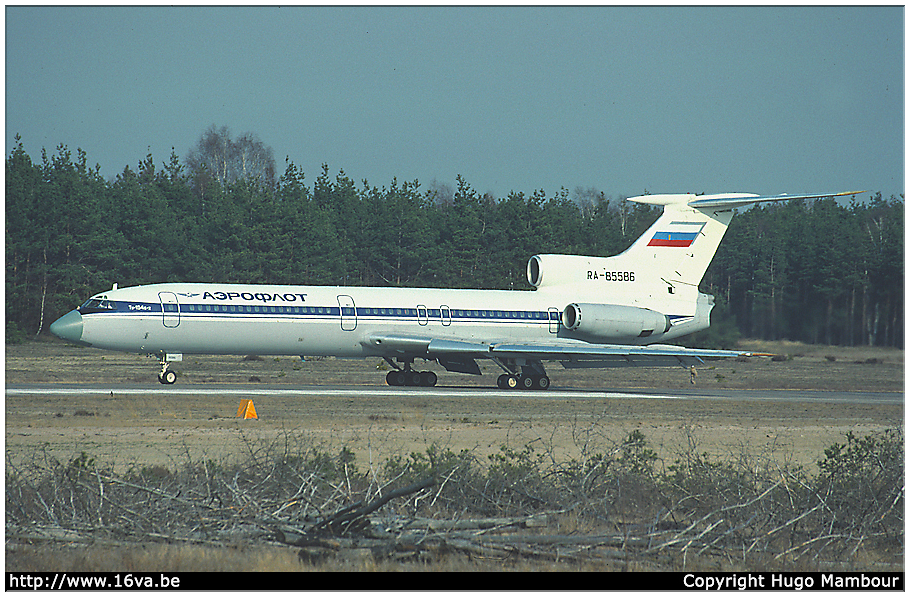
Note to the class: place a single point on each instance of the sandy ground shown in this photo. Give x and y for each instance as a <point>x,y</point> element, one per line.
<point>126,430</point>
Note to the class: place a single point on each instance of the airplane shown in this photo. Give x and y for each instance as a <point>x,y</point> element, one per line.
<point>583,311</point>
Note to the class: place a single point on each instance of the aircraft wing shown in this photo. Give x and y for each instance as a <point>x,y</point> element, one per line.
<point>572,354</point>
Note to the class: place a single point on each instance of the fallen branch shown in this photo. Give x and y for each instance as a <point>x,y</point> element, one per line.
<point>354,517</point>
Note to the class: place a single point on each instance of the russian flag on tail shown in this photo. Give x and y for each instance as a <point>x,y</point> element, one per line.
<point>677,234</point>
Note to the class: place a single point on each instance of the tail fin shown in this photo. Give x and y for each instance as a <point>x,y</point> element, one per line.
<point>678,248</point>
<point>670,257</point>
<point>668,261</point>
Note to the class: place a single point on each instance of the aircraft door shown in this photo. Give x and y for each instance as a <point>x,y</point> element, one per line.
<point>170,309</point>
<point>553,315</point>
<point>422,315</point>
<point>445,314</point>
<point>348,312</point>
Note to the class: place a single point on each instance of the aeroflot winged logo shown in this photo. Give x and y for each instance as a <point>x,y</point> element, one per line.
<point>677,234</point>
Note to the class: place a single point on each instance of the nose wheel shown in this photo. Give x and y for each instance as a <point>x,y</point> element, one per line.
<point>166,376</point>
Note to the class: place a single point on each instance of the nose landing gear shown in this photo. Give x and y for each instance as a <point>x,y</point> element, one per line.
<point>166,376</point>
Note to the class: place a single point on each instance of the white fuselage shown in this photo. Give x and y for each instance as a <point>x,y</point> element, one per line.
<point>195,318</point>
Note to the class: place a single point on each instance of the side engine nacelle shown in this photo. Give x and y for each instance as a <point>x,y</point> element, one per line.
<point>614,322</point>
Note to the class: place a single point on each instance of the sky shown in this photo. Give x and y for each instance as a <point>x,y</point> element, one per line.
<point>624,100</point>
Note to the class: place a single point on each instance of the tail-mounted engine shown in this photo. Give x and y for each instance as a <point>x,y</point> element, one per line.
<point>558,270</point>
<point>614,323</point>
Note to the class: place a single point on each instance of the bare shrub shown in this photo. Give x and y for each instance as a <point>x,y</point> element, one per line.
<point>616,497</point>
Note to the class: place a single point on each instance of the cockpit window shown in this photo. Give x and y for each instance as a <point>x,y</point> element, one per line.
<point>96,305</point>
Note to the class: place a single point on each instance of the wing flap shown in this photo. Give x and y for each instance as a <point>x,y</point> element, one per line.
<point>574,356</point>
<point>582,351</point>
<point>633,361</point>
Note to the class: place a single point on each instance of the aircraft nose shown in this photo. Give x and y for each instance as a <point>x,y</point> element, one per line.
<point>69,327</point>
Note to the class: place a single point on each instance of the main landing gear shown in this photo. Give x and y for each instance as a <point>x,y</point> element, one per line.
<point>508,381</point>
<point>529,375</point>
<point>409,377</point>
<point>519,375</point>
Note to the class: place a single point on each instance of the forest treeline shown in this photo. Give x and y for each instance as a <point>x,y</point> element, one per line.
<point>817,272</point>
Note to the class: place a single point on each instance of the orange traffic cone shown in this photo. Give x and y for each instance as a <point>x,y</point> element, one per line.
<point>247,410</point>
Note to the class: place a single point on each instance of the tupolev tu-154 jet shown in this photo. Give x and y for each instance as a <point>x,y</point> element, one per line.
<point>582,312</point>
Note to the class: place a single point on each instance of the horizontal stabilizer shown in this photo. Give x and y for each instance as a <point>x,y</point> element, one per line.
<point>727,200</point>
<point>738,200</point>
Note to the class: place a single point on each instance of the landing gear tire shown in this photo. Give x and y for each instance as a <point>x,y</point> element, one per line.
<point>396,378</point>
<point>507,382</point>
<point>530,382</point>
<point>165,376</point>
<point>428,379</point>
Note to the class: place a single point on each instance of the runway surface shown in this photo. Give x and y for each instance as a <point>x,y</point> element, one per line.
<point>455,392</point>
